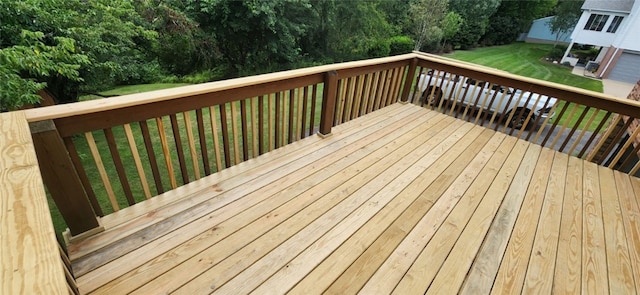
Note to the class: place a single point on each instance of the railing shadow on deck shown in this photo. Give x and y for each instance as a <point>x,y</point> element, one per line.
<point>101,156</point>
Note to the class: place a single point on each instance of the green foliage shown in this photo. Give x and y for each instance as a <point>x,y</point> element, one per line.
<point>426,17</point>
<point>379,48</point>
<point>556,53</point>
<point>25,67</point>
<point>450,26</point>
<point>251,35</point>
<point>357,29</point>
<point>400,45</point>
<point>513,18</point>
<point>476,20</point>
<point>567,13</point>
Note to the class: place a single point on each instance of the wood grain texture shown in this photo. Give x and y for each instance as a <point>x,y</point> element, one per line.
<point>341,213</point>
<point>568,269</point>
<point>136,159</point>
<point>427,264</point>
<point>465,249</point>
<point>28,248</point>
<point>594,258</point>
<point>539,277</point>
<point>511,274</point>
<point>619,270</point>
<point>102,171</point>
<point>486,264</point>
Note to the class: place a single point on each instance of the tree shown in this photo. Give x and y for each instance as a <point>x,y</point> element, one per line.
<point>513,18</point>
<point>256,35</point>
<point>426,17</point>
<point>567,13</point>
<point>24,68</point>
<point>110,33</point>
<point>476,20</point>
<point>450,26</point>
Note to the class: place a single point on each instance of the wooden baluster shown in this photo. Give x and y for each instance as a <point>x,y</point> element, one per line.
<point>574,128</point>
<point>366,96</point>
<point>255,139</point>
<point>225,136</point>
<point>291,121</point>
<point>117,161</point>
<point>179,149</point>
<point>594,134</point>
<point>165,152</point>
<point>235,136</point>
<point>300,110</point>
<point>312,119</point>
<point>136,160</point>
<point>374,92</point>
<point>409,81</point>
<point>385,89</point>
<point>216,141</point>
<point>277,123</point>
<point>77,164</point>
<point>192,144</point>
<point>203,142</point>
<point>245,129</point>
<point>261,125</point>
<point>328,102</point>
<point>148,144</point>
<point>305,98</point>
<point>355,111</point>
<point>624,148</point>
<point>341,101</point>
<point>272,127</point>
<point>584,131</point>
<point>61,179</point>
<point>102,171</point>
<point>553,127</point>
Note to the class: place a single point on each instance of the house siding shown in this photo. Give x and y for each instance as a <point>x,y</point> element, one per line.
<point>540,32</point>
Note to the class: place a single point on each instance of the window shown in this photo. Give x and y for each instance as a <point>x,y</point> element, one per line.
<point>596,22</point>
<point>613,27</point>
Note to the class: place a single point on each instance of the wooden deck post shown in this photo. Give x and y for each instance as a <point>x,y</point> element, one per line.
<point>408,81</point>
<point>61,179</point>
<point>328,102</point>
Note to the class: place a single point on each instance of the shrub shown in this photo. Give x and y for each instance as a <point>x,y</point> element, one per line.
<point>555,53</point>
<point>400,45</point>
<point>378,48</point>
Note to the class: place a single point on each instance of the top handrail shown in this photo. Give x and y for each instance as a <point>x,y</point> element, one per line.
<point>569,93</point>
<point>99,105</point>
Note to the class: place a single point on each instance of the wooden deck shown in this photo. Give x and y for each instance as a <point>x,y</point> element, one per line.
<point>404,200</point>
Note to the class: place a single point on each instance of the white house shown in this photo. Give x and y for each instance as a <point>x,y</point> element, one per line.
<point>613,25</point>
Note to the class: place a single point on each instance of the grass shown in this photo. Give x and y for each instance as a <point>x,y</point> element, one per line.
<point>130,89</point>
<point>528,60</point>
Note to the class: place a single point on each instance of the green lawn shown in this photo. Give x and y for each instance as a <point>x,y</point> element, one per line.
<point>528,60</point>
<point>130,89</point>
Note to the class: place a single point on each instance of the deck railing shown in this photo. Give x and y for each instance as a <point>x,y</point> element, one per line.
<point>100,156</point>
<point>116,152</point>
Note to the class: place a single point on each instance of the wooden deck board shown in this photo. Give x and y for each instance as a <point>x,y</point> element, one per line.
<point>403,200</point>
